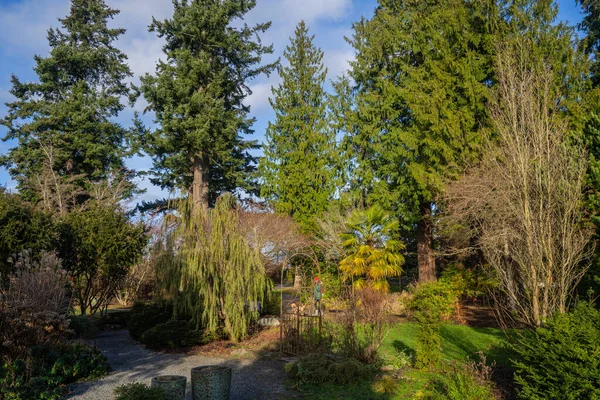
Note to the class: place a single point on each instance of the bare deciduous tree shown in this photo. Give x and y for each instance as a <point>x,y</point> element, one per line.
<point>524,201</point>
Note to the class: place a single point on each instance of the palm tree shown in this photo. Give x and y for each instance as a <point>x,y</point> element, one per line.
<point>371,254</point>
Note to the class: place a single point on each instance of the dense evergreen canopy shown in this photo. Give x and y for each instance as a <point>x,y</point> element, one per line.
<point>420,103</point>
<point>298,168</point>
<point>64,122</point>
<point>198,98</point>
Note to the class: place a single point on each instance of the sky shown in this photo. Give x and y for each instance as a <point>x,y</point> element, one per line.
<point>24,23</point>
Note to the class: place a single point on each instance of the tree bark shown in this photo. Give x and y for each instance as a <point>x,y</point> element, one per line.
<point>425,255</point>
<point>200,183</point>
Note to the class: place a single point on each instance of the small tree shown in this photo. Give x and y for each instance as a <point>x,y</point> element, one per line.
<point>212,272</point>
<point>98,246</point>
<point>22,227</point>
<point>372,254</point>
<point>525,200</point>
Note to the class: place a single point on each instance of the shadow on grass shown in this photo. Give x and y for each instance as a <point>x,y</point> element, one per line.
<point>401,346</point>
<point>460,344</point>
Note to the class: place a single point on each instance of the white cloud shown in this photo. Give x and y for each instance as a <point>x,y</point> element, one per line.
<point>23,25</point>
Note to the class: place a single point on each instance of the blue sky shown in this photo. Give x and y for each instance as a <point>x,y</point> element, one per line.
<point>23,26</point>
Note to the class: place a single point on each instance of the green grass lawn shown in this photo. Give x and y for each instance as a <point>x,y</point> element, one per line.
<point>459,343</point>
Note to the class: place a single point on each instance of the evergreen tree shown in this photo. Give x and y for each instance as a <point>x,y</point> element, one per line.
<point>422,75</point>
<point>298,169</point>
<point>197,95</point>
<point>590,25</point>
<point>63,122</point>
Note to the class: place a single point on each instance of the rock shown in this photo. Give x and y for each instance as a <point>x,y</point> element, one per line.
<point>268,321</point>
<point>387,368</point>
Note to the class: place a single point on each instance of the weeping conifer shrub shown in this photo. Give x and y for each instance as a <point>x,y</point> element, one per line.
<point>212,272</point>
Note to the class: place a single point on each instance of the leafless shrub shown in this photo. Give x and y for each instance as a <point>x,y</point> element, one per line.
<point>33,308</point>
<point>364,325</point>
<point>524,202</point>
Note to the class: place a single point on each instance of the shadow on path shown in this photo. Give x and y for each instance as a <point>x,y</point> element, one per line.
<point>131,362</point>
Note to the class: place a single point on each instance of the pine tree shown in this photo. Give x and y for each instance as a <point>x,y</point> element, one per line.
<point>422,75</point>
<point>198,97</point>
<point>298,169</point>
<point>64,122</point>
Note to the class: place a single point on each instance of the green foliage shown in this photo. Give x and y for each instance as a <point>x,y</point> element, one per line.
<point>139,391</point>
<point>44,375</point>
<point>98,246</point>
<point>22,227</point>
<point>319,369</point>
<point>562,358</point>
<point>372,254</point>
<point>298,168</point>
<point>172,335</point>
<point>459,384</point>
<point>84,326</point>
<point>146,315</point>
<point>64,122</point>
<point>431,302</point>
<point>590,27</point>
<point>467,282</point>
<point>271,304</point>
<point>213,273</point>
<point>420,94</point>
<point>197,95</point>
<point>386,384</point>
<point>591,138</point>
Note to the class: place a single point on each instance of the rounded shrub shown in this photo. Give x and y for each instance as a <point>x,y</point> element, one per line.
<point>560,360</point>
<point>146,315</point>
<point>318,369</point>
<point>171,335</point>
<point>84,326</point>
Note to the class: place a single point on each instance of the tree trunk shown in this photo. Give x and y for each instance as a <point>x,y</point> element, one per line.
<point>201,182</point>
<point>425,255</point>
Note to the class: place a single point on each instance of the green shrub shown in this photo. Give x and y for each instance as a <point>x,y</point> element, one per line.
<point>84,326</point>
<point>116,317</point>
<point>271,305</point>
<point>138,391</point>
<point>146,315</point>
<point>318,369</point>
<point>459,384</point>
<point>171,335</point>
<point>561,359</point>
<point>386,384</point>
<point>48,369</point>
<point>431,302</point>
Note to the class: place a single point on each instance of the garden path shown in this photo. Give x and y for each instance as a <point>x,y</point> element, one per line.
<point>131,362</point>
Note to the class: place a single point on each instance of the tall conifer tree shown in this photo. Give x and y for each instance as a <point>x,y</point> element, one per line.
<point>64,122</point>
<point>422,75</point>
<point>198,97</point>
<point>298,167</point>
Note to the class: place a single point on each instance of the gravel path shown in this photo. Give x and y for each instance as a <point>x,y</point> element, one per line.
<point>131,362</point>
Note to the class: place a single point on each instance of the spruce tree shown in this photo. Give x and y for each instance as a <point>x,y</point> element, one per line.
<point>298,169</point>
<point>198,97</point>
<point>422,75</point>
<point>64,121</point>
